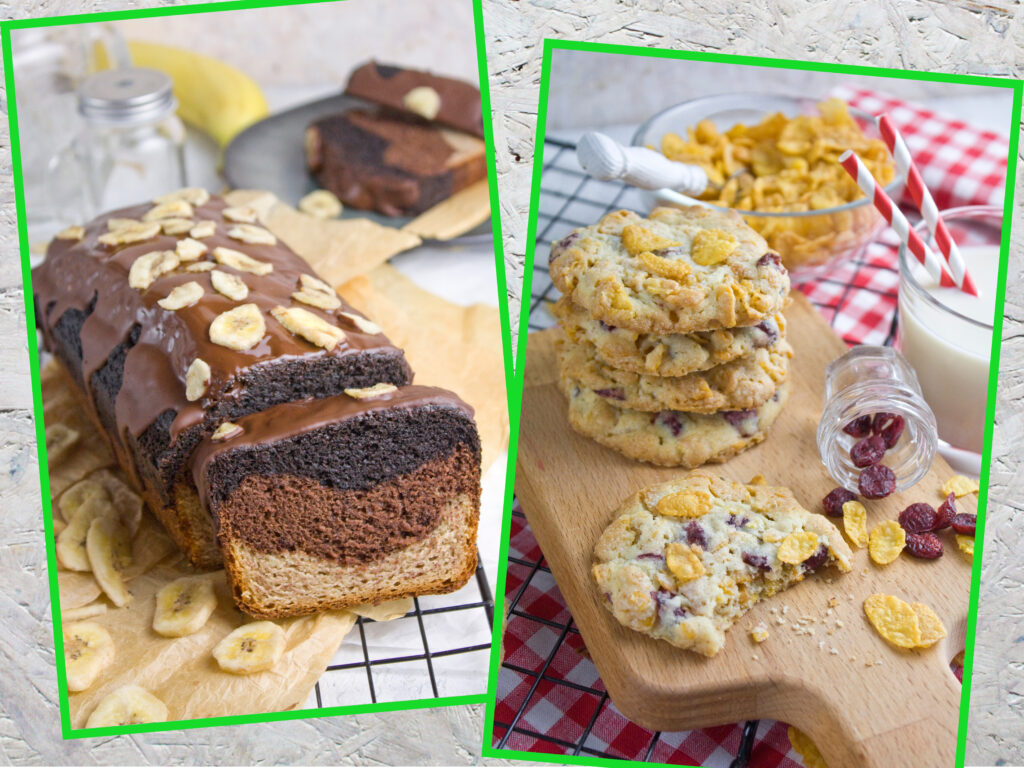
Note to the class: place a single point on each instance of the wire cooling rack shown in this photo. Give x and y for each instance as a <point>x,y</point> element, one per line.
<point>440,648</point>
<point>858,299</point>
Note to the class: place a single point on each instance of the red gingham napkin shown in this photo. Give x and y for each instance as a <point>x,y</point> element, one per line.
<point>961,166</point>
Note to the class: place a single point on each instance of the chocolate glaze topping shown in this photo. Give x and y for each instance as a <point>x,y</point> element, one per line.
<point>387,86</point>
<point>284,422</point>
<point>76,273</point>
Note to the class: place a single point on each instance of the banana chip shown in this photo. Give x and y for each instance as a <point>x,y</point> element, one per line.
<point>88,650</point>
<point>251,648</point>
<point>128,705</point>
<point>183,606</point>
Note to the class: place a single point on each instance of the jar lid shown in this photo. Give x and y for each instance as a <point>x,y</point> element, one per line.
<point>129,95</point>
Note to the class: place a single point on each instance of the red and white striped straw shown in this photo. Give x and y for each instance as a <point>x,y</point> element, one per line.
<point>931,261</point>
<point>926,203</point>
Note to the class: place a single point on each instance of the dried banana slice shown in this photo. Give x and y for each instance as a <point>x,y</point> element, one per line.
<point>239,328</point>
<point>317,299</point>
<point>183,606</point>
<point>240,213</point>
<point>322,204</point>
<point>128,705</point>
<point>130,232</point>
<point>59,440</point>
<point>71,542</point>
<point>190,249</point>
<point>83,612</point>
<point>126,501</point>
<point>250,233</point>
<point>88,650</point>
<point>71,233</point>
<point>229,285</point>
<point>312,328</point>
<point>251,648</point>
<point>149,266</point>
<point>184,295</point>
<point>197,379</point>
<point>172,209</point>
<point>229,257</point>
<point>176,226</point>
<point>193,195</point>
<point>109,546</point>
<point>364,325</point>
<point>205,228</point>
<point>78,494</point>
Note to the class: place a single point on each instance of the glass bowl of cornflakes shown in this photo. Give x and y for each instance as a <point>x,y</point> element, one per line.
<point>774,160</point>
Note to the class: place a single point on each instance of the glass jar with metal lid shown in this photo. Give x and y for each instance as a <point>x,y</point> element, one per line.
<point>130,150</point>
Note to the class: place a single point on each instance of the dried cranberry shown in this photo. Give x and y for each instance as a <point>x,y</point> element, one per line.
<point>695,534</point>
<point>769,258</point>
<point>737,522</point>
<point>946,512</point>
<point>755,560</point>
<point>815,561</point>
<point>879,420</point>
<point>859,427</point>
<point>611,394</point>
<point>561,245</point>
<point>868,451</point>
<point>964,523</point>
<point>670,420</point>
<point>918,518</point>
<point>891,432</point>
<point>876,482</point>
<point>924,545</point>
<point>606,327</point>
<point>649,556</point>
<point>833,503</point>
<point>671,252</point>
<point>771,332</point>
<point>741,421</point>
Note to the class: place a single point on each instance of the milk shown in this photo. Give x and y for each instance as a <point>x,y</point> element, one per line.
<point>951,354</point>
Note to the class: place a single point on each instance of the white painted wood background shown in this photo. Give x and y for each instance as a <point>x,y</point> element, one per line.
<point>979,38</point>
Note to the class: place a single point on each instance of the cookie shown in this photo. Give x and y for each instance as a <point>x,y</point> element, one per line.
<point>674,354</point>
<point>683,560</point>
<point>680,270</point>
<point>670,438</point>
<point>743,383</point>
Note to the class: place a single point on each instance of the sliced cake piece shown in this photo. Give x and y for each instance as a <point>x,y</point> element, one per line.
<point>443,100</point>
<point>359,498</point>
<point>391,163</point>
<point>685,559</point>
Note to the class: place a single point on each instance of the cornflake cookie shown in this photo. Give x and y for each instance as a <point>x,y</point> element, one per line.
<point>675,354</point>
<point>677,271</point>
<point>685,559</point>
<point>744,383</point>
<point>669,438</point>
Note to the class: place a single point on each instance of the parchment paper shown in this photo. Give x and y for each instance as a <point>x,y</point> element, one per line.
<point>447,345</point>
<point>454,216</point>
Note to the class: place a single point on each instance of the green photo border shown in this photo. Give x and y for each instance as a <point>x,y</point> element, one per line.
<point>551,45</point>
<point>6,28</point>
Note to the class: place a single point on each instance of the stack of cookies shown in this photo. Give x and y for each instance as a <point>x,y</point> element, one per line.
<point>674,350</point>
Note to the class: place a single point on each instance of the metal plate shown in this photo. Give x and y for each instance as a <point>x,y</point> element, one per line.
<point>271,155</point>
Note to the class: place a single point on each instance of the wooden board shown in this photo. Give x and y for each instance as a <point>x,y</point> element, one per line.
<point>900,710</point>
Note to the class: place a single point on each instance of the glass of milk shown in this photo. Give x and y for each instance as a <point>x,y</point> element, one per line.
<point>946,334</point>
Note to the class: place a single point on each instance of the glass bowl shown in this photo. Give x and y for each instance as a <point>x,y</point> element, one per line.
<point>809,242</point>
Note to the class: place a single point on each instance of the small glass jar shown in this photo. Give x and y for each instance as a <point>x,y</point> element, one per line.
<point>865,381</point>
<point>130,150</point>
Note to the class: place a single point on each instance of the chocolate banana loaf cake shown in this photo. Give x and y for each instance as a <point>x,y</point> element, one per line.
<point>382,488</point>
<point>393,163</point>
<point>178,315</point>
<point>443,100</point>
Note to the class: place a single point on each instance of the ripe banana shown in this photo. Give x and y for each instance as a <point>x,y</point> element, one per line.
<point>213,96</point>
<point>128,705</point>
<point>250,648</point>
<point>109,546</point>
<point>183,606</point>
<point>88,650</point>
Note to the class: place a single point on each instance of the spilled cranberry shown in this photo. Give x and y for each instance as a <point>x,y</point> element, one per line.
<point>945,513</point>
<point>891,432</point>
<point>833,503</point>
<point>868,451</point>
<point>876,482</point>
<point>859,427</point>
<point>965,524</point>
<point>927,546</point>
<point>918,518</point>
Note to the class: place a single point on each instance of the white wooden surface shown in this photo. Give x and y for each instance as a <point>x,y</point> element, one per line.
<point>960,36</point>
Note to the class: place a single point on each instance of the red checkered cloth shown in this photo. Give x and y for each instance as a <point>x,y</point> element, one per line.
<point>545,663</point>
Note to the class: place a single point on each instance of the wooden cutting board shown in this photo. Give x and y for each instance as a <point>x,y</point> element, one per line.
<point>867,703</point>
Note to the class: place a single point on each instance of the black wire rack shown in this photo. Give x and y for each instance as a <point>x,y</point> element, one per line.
<point>427,653</point>
<point>569,199</point>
